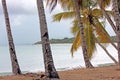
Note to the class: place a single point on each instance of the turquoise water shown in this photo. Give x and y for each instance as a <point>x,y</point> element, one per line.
<point>30,57</point>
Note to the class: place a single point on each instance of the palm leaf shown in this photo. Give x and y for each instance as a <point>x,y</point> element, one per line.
<point>102,34</point>
<point>96,13</point>
<point>90,40</point>
<point>74,28</point>
<point>105,3</point>
<point>52,4</point>
<point>63,15</point>
<point>66,4</point>
<point>76,43</point>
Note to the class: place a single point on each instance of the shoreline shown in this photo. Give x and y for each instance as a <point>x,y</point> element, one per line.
<point>58,69</point>
<point>97,73</point>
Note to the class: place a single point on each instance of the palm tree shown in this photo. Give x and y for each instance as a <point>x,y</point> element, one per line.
<point>117,21</point>
<point>103,4</point>
<point>116,13</point>
<point>50,70</point>
<point>88,19</point>
<point>77,9</point>
<point>15,66</point>
<point>82,34</point>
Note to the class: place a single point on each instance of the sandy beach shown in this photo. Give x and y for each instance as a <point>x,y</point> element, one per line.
<point>98,73</point>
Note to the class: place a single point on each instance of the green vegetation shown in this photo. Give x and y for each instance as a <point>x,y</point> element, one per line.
<point>68,40</point>
<point>55,41</point>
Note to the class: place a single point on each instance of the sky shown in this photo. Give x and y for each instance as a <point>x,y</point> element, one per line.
<point>25,23</point>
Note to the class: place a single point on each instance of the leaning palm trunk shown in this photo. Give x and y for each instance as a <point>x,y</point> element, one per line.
<point>15,66</point>
<point>111,57</point>
<point>84,48</point>
<point>107,16</point>
<point>109,20</point>
<point>117,21</point>
<point>50,70</point>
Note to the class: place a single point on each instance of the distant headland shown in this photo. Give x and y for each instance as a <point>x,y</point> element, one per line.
<point>68,40</point>
<point>56,41</point>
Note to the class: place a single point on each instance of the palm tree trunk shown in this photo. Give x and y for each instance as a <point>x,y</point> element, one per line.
<point>114,60</point>
<point>108,39</point>
<point>107,16</point>
<point>109,20</point>
<point>15,66</point>
<point>50,70</point>
<point>117,20</point>
<point>84,48</point>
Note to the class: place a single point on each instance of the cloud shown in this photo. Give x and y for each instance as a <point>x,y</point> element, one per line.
<point>17,20</point>
<point>18,7</point>
<point>18,11</point>
<point>25,22</point>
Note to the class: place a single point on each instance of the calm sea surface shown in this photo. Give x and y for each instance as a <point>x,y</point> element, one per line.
<point>30,57</point>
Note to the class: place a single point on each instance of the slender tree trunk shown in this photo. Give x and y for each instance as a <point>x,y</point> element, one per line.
<point>107,16</point>
<point>114,60</point>
<point>109,20</point>
<point>84,48</point>
<point>15,66</point>
<point>107,38</point>
<point>50,70</point>
<point>117,20</point>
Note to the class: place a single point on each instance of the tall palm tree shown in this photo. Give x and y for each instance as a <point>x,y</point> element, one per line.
<point>15,66</point>
<point>82,34</point>
<point>77,9</point>
<point>88,19</point>
<point>116,13</point>
<point>117,21</point>
<point>50,70</point>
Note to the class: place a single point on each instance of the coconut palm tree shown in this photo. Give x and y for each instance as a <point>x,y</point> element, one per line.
<point>91,32</point>
<point>117,21</point>
<point>116,13</point>
<point>88,17</point>
<point>50,70</point>
<point>82,34</point>
<point>15,66</point>
<point>77,9</point>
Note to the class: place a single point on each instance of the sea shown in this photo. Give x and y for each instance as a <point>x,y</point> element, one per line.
<point>30,57</point>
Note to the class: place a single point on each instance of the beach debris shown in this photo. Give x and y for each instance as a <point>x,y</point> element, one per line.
<point>36,76</point>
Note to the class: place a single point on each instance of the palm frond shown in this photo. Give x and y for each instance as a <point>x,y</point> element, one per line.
<point>104,3</point>
<point>76,43</point>
<point>96,13</point>
<point>63,15</point>
<point>102,34</point>
<point>52,4</point>
<point>90,40</point>
<point>75,28</point>
<point>66,4</point>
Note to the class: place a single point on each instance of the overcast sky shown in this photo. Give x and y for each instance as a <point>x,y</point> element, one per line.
<point>25,23</point>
